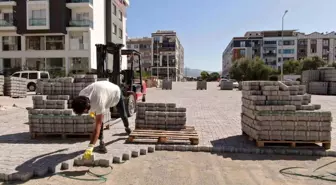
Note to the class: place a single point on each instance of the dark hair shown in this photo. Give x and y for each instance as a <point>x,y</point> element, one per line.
<point>80,103</point>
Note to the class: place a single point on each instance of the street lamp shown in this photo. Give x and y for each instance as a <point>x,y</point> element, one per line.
<point>282,40</point>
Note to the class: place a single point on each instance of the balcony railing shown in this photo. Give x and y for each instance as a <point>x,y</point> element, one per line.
<point>6,23</point>
<point>81,23</point>
<point>81,1</point>
<point>38,22</point>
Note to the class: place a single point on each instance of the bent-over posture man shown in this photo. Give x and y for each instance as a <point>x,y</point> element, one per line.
<point>98,98</point>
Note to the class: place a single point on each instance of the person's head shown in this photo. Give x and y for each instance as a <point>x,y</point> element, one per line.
<point>81,105</point>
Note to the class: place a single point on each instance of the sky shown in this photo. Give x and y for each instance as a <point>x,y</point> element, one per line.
<point>206,27</point>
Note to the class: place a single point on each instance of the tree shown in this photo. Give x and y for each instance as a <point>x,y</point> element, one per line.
<point>245,69</point>
<point>292,67</point>
<point>312,63</point>
<point>213,76</point>
<point>204,75</point>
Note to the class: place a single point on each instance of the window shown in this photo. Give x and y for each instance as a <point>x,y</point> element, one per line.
<point>325,52</point>
<point>325,42</point>
<point>24,75</point>
<point>38,18</point>
<point>242,52</point>
<point>114,9</point>
<point>83,16</point>
<point>32,76</point>
<point>120,33</point>
<point>44,76</point>
<point>157,39</point>
<point>79,65</point>
<point>120,15</point>
<point>114,29</point>
<point>16,75</point>
<point>242,43</point>
<point>313,41</point>
<point>11,43</point>
<point>270,42</point>
<point>55,42</point>
<point>35,43</point>
<point>287,51</point>
<point>313,50</point>
<point>286,42</point>
<point>79,40</point>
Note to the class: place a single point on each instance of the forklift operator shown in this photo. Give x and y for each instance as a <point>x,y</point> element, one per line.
<point>98,98</point>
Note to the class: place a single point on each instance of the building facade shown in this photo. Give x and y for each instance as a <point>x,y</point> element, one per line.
<point>58,35</point>
<point>295,46</point>
<point>144,46</point>
<point>167,55</point>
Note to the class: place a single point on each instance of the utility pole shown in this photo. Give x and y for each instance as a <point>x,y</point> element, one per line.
<point>167,66</point>
<point>157,60</point>
<point>282,40</point>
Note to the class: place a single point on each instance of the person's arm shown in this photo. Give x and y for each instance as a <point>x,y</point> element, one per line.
<point>95,136</point>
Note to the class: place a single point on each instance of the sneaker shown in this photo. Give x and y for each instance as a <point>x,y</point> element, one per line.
<point>128,131</point>
<point>102,147</point>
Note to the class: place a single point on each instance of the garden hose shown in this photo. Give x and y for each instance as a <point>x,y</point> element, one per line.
<point>320,177</point>
<point>100,177</point>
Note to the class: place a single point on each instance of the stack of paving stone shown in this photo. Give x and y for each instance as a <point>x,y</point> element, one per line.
<point>167,84</point>
<point>226,85</point>
<point>160,116</point>
<point>15,87</point>
<point>2,83</point>
<point>201,85</point>
<point>321,81</point>
<point>280,111</point>
<point>51,115</point>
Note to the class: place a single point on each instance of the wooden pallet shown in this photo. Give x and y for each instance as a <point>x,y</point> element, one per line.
<point>62,135</point>
<point>163,136</point>
<point>259,143</point>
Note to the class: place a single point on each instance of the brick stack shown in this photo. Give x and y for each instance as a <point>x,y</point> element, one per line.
<point>201,85</point>
<point>160,116</point>
<point>167,84</point>
<point>53,114</point>
<point>226,85</point>
<point>2,83</point>
<point>321,81</point>
<point>275,111</point>
<point>15,87</point>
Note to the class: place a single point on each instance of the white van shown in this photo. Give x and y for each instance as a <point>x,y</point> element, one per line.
<point>32,77</point>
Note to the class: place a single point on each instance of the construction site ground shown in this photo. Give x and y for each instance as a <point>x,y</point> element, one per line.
<point>214,113</point>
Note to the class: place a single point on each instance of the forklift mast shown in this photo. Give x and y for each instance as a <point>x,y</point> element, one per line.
<point>102,62</point>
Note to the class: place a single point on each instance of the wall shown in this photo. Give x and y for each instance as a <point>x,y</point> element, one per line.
<point>98,32</point>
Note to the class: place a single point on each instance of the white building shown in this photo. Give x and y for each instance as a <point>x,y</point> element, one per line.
<point>58,35</point>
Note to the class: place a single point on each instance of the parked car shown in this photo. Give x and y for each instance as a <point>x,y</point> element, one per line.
<point>220,81</point>
<point>235,83</point>
<point>32,77</point>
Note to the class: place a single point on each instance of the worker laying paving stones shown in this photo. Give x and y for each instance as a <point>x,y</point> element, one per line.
<point>97,98</point>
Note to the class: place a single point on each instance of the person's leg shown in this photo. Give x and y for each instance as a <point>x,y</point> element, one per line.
<point>122,112</point>
<point>102,147</point>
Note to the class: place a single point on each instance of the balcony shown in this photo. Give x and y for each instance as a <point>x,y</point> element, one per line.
<point>38,22</point>
<point>71,4</point>
<point>4,3</point>
<point>80,25</point>
<point>7,25</point>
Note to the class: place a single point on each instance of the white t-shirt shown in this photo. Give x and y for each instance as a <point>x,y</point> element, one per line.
<point>102,95</point>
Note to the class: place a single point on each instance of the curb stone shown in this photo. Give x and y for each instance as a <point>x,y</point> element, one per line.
<point>231,149</point>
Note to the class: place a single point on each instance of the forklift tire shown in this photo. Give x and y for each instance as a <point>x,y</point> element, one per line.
<point>130,105</point>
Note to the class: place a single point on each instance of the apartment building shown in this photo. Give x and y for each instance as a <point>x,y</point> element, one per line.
<point>144,46</point>
<point>58,35</point>
<point>167,55</point>
<point>266,45</point>
<point>317,44</point>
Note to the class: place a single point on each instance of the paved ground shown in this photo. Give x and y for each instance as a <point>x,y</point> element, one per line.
<point>214,113</point>
<point>184,168</point>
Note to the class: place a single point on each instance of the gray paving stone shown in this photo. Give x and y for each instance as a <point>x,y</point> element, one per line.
<point>126,156</point>
<point>143,151</point>
<point>104,162</point>
<point>41,172</point>
<point>135,153</point>
<point>151,149</point>
<point>117,159</point>
<point>65,166</point>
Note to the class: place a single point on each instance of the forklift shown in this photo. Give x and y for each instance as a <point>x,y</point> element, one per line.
<point>132,90</point>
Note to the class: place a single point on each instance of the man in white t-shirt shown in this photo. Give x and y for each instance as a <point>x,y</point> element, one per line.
<point>98,98</point>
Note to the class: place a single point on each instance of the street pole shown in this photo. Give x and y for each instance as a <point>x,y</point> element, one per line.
<point>157,60</point>
<point>282,40</point>
<point>167,66</point>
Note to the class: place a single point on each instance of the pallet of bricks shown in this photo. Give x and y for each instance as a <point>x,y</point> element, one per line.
<point>15,87</point>
<point>321,81</point>
<point>162,121</point>
<point>2,83</point>
<point>52,114</point>
<point>280,112</point>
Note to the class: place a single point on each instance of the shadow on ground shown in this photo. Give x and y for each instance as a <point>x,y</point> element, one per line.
<point>254,157</point>
<point>25,138</point>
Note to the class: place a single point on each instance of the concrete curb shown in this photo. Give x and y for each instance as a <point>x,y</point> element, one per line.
<point>232,149</point>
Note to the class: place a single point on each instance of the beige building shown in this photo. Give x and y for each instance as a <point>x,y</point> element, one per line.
<point>144,46</point>
<point>317,44</point>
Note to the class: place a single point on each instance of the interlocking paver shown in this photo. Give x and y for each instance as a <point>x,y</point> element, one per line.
<point>214,113</point>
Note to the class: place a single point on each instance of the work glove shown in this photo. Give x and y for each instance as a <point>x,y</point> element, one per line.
<point>92,115</point>
<point>88,152</point>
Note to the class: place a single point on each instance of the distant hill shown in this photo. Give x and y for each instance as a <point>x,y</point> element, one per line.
<point>195,72</point>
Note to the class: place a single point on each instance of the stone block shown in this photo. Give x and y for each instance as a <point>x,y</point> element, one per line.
<point>104,162</point>
<point>117,159</point>
<point>151,149</point>
<point>126,156</point>
<point>64,166</point>
<point>143,151</point>
<point>135,154</point>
